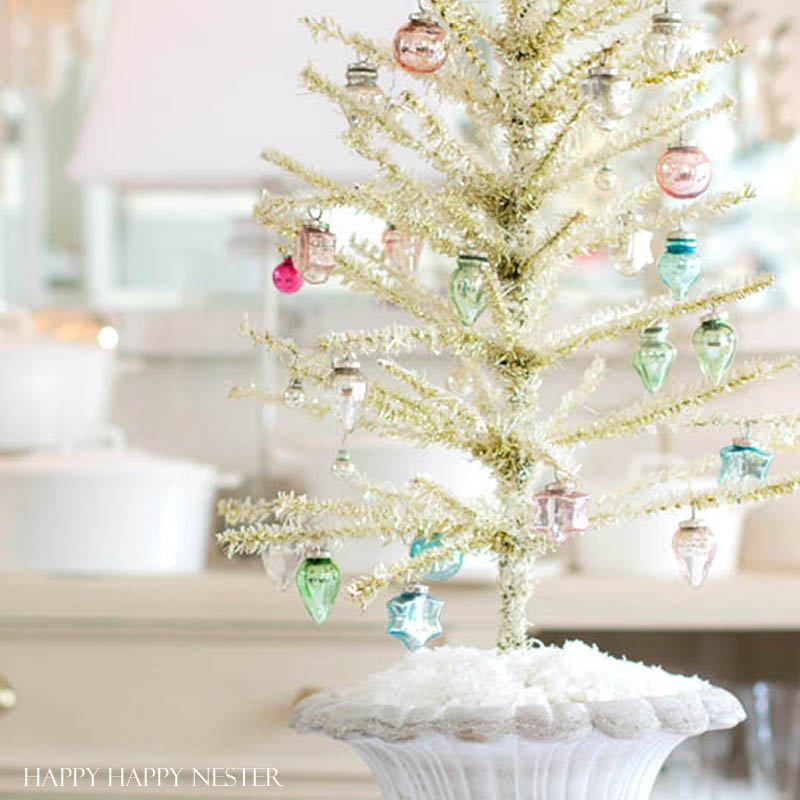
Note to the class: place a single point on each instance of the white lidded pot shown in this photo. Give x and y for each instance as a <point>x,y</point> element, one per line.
<point>50,391</point>
<point>105,511</point>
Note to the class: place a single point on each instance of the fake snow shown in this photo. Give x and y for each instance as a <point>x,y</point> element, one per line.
<point>467,676</point>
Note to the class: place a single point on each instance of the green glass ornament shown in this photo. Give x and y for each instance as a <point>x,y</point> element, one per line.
<point>468,288</point>
<point>714,342</point>
<point>318,584</point>
<point>654,357</point>
<point>680,265</point>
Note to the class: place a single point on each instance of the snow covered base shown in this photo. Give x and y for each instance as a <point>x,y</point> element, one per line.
<point>546,724</point>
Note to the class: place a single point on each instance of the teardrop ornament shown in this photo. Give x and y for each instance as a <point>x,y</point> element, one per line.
<point>714,343</point>
<point>318,585</point>
<point>695,546</point>
<point>280,563</point>
<point>467,287</point>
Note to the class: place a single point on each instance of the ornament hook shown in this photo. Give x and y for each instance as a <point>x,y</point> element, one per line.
<point>746,428</point>
<point>315,213</point>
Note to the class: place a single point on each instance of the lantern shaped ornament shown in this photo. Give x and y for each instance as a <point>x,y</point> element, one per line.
<point>714,343</point>
<point>680,264</point>
<point>695,546</point>
<point>684,172</point>
<point>421,45</point>
<point>745,459</point>
<point>468,287</point>
<point>402,250</point>
<point>362,86</point>
<point>348,388</point>
<point>609,95</point>
<point>665,45</point>
<point>315,251</point>
<point>560,511</point>
<point>415,617</point>
<point>653,359</point>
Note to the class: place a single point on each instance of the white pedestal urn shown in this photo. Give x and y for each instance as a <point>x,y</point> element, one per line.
<point>606,750</point>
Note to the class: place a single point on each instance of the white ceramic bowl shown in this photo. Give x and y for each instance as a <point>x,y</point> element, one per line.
<point>51,392</point>
<point>104,512</point>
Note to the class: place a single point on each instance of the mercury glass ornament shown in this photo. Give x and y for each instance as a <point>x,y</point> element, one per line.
<point>744,459</point>
<point>286,278</point>
<point>609,96</point>
<point>294,395</point>
<point>280,563</point>
<point>315,251</point>
<point>560,511</point>
<point>654,357</point>
<point>442,570</point>
<point>461,382</point>
<point>348,388</point>
<point>684,172</point>
<point>664,46</point>
<point>714,342</point>
<point>421,46</point>
<point>402,250</point>
<point>467,286</point>
<point>632,251</point>
<point>680,264</point>
<point>415,617</point>
<point>606,179</point>
<point>318,584</point>
<point>695,546</point>
<point>342,466</point>
<point>362,86</point>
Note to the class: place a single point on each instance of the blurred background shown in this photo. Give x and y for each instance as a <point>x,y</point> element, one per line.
<point>130,133</point>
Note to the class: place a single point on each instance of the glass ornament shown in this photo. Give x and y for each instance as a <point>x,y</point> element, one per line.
<point>695,546</point>
<point>560,511</point>
<point>680,264</point>
<point>468,288</point>
<point>442,570</point>
<point>286,278</point>
<point>294,395</point>
<point>714,343</point>
<point>653,359</point>
<point>461,382</point>
<point>402,250</point>
<point>415,617</point>
<point>315,251</point>
<point>342,466</point>
<point>684,172</point>
<point>606,179</point>
<point>665,46</point>
<point>420,46</point>
<point>632,251</point>
<point>744,459</point>
<point>609,96</point>
<point>318,584</point>
<point>362,86</point>
<point>280,563</point>
<point>348,388</point>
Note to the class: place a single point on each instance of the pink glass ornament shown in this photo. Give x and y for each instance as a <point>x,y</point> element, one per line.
<point>560,511</point>
<point>684,172</point>
<point>402,250</point>
<point>420,46</point>
<point>315,251</point>
<point>695,546</point>
<point>286,278</point>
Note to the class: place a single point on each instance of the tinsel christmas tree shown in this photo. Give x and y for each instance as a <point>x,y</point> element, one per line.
<point>548,89</point>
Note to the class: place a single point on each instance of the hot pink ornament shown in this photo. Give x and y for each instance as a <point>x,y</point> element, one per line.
<point>684,171</point>
<point>420,46</point>
<point>286,278</point>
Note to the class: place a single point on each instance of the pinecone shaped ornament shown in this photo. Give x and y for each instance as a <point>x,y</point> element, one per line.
<point>318,585</point>
<point>695,546</point>
<point>714,343</point>
<point>468,288</point>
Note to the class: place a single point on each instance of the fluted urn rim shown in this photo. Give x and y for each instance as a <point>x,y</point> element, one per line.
<point>685,714</point>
